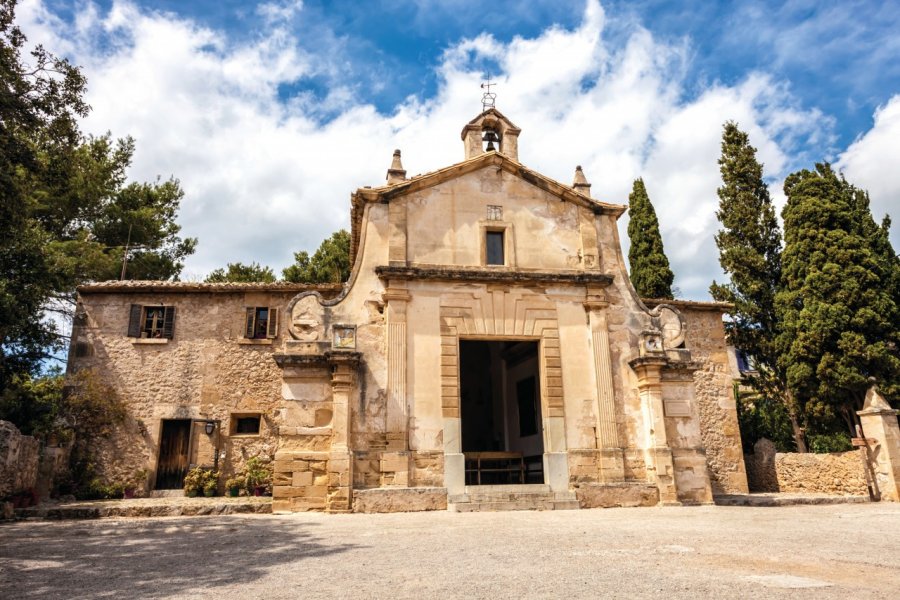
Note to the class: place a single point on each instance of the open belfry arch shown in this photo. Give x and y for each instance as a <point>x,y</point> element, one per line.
<point>587,395</point>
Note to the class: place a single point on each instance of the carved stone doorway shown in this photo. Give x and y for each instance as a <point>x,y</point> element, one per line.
<point>501,416</point>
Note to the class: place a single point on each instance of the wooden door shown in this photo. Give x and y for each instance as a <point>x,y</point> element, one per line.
<point>174,447</point>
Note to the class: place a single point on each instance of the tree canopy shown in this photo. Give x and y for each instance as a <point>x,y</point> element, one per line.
<point>650,273</point>
<point>68,214</point>
<point>329,264</point>
<point>837,308</point>
<point>750,254</point>
<point>239,272</point>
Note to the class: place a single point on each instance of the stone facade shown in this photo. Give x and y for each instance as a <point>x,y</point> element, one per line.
<point>488,309</point>
<point>839,473</point>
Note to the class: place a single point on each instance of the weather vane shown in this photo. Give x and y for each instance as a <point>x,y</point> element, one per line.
<point>488,98</point>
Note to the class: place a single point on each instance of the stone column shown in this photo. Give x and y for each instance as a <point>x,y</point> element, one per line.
<point>658,454</point>
<point>611,460</point>
<point>879,423</point>
<point>344,366</point>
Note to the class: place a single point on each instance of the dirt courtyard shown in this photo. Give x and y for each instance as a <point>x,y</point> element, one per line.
<point>837,551</point>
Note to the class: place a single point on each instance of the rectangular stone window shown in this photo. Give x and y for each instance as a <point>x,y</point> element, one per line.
<point>261,323</point>
<point>495,249</point>
<point>156,321</point>
<point>245,424</point>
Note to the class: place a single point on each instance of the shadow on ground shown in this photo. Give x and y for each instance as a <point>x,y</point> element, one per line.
<point>149,558</point>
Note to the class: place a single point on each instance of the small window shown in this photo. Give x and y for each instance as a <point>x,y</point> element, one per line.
<point>494,246</point>
<point>245,424</point>
<point>151,321</point>
<point>261,323</point>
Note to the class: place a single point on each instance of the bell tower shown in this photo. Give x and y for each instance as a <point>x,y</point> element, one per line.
<point>491,132</point>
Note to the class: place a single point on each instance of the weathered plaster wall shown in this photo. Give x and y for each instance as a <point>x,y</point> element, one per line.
<point>835,473</point>
<point>19,457</point>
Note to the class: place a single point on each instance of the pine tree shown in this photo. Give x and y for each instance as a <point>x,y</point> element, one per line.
<point>839,320</point>
<point>750,254</point>
<point>650,272</point>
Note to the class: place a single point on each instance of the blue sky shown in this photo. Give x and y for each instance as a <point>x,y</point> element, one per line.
<point>247,102</point>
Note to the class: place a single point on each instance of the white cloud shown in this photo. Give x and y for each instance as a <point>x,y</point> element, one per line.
<point>264,177</point>
<point>872,162</point>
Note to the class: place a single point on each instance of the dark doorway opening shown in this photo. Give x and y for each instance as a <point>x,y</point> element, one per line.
<point>500,403</point>
<point>174,449</point>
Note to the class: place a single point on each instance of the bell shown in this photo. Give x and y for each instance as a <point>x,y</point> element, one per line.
<point>490,137</point>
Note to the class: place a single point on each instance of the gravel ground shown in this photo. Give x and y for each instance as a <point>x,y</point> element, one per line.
<point>837,551</point>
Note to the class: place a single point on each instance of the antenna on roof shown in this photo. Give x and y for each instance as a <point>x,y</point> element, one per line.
<point>488,98</point>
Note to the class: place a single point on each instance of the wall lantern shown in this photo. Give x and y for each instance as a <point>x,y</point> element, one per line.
<point>210,427</point>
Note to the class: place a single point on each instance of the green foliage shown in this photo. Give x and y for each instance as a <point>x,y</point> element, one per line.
<point>239,272</point>
<point>329,264</point>
<point>257,473</point>
<point>764,417</point>
<point>35,406</point>
<point>201,480</point>
<point>822,443</point>
<point>66,210</point>
<point>650,273</point>
<point>838,317</point>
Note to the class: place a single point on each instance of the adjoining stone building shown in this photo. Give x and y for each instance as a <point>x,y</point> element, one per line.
<point>488,335</point>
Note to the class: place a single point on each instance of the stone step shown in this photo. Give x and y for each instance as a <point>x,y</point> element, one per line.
<point>485,498</point>
<point>530,504</point>
<point>167,494</point>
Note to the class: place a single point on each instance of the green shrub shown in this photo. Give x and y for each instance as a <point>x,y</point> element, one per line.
<point>822,443</point>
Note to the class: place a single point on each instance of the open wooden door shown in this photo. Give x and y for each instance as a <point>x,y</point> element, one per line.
<point>174,448</point>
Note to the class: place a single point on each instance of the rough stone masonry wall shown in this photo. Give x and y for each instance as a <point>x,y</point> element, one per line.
<point>208,371</point>
<point>839,473</point>
<point>19,457</point>
<point>705,338</point>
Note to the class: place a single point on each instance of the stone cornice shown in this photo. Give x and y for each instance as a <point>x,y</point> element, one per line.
<point>327,358</point>
<point>484,275</point>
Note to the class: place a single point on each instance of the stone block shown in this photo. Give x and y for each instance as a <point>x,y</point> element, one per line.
<point>609,495</point>
<point>381,500</point>
<point>302,479</point>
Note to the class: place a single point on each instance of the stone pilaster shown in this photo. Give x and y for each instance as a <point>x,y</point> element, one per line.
<point>397,419</point>
<point>879,425</point>
<point>658,454</point>
<point>611,460</point>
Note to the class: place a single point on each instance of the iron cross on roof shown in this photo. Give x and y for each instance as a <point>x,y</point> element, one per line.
<point>488,98</point>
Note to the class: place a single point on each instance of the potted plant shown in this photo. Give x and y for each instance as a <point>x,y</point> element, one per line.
<point>234,485</point>
<point>258,476</point>
<point>193,482</point>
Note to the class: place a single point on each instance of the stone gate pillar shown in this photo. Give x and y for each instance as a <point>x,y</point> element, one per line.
<point>658,454</point>
<point>879,422</point>
<point>345,365</point>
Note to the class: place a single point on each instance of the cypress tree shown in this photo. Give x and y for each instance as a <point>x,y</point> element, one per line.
<point>838,316</point>
<point>750,254</point>
<point>650,272</point>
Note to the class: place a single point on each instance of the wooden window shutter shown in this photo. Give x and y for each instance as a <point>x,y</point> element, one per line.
<point>272,328</point>
<point>134,320</point>
<point>169,323</point>
<point>250,327</point>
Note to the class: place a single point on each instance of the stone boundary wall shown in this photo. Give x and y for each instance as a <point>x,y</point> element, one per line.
<point>839,473</point>
<point>19,457</point>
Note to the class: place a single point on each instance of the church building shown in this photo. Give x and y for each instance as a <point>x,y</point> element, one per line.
<point>488,351</point>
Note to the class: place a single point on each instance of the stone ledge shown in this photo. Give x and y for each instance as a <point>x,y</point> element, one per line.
<point>384,500</point>
<point>610,495</point>
<point>489,275</point>
<point>149,341</point>
<point>786,499</point>
<point>147,507</point>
